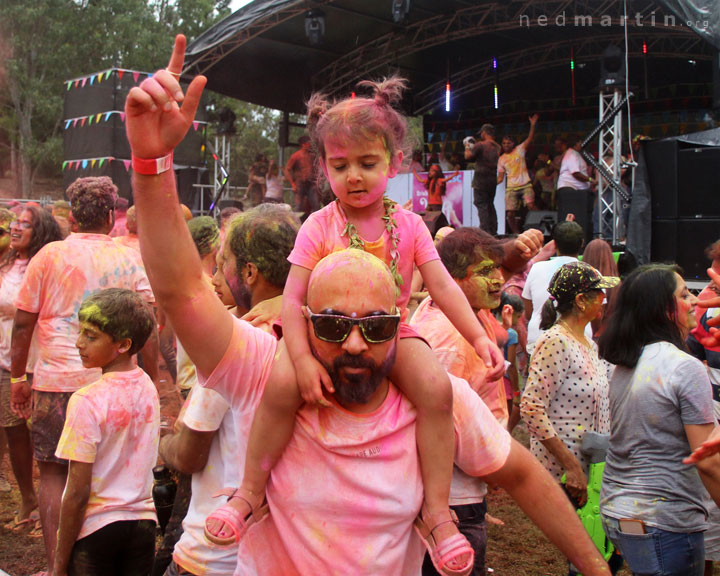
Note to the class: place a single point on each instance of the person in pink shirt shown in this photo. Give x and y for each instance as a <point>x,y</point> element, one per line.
<point>359,143</point>
<point>344,513</point>
<point>57,280</point>
<point>33,229</point>
<point>209,442</point>
<point>120,227</point>
<point>110,439</point>
<point>130,239</point>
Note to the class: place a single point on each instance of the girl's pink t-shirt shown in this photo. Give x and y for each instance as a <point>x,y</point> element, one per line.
<point>321,234</point>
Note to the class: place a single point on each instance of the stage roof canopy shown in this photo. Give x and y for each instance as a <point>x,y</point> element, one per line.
<point>262,54</point>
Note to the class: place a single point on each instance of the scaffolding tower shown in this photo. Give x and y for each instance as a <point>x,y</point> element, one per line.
<point>610,157</point>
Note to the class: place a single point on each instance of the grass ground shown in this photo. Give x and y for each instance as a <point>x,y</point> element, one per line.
<point>516,549</point>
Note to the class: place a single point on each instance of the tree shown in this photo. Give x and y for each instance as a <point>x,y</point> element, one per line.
<point>44,42</point>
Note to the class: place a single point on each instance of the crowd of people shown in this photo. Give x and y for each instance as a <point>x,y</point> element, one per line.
<point>350,383</point>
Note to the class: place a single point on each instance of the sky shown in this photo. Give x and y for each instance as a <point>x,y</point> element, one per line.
<point>235,4</point>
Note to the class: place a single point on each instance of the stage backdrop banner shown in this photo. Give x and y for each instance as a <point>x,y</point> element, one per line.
<point>452,206</point>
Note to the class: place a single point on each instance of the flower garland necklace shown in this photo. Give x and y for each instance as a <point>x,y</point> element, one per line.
<point>391,226</point>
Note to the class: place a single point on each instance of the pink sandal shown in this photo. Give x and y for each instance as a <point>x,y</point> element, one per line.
<point>445,551</point>
<point>232,518</point>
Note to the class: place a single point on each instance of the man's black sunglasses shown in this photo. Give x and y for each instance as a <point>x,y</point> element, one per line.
<point>335,328</point>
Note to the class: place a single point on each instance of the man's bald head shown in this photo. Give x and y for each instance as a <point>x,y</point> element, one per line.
<point>131,220</point>
<point>353,273</point>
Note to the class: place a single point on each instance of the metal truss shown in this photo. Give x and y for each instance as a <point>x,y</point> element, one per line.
<point>665,45</point>
<point>609,157</point>
<point>474,21</point>
<point>221,170</point>
<point>245,33</point>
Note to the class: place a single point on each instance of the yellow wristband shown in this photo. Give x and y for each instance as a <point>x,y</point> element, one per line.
<point>22,378</point>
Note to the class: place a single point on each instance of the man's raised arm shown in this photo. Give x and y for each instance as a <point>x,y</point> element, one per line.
<point>540,497</point>
<point>156,124</point>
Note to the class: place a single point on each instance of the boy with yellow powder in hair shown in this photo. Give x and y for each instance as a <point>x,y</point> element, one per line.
<point>110,438</point>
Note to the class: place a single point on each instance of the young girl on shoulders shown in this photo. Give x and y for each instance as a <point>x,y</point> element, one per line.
<point>359,147</point>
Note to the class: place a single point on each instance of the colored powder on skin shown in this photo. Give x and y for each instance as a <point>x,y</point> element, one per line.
<point>92,314</point>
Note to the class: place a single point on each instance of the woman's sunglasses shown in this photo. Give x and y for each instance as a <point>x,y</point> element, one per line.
<point>335,328</point>
<point>23,225</point>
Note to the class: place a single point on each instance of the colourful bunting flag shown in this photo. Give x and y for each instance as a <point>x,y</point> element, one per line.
<point>102,161</point>
<point>67,124</point>
<point>97,118</point>
<point>107,74</point>
<point>64,166</point>
<point>126,163</point>
<point>82,121</point>
<point>122,116</point>
<point>195,126</point>
<point>100,77</point>
<point>75,121</point>
<point>84,164</point>
<point>68,85</point>
<point>90,120</point>
<point>83,81</point>
<point>92,163</point>
<point>135,76</point>
<point>107,115</point>
<point>120,74</point>
<point>76,83</point>
<point>92,79</point>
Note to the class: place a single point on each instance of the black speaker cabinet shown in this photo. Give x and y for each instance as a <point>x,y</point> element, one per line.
<point>434,220</point>
<point>662,167</point>
<point>699,183</point>
<point>543,220</point>
<point>683,242</point>
<point>580,204</point>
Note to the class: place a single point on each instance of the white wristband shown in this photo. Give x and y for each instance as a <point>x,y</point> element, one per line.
<point>150,167</point>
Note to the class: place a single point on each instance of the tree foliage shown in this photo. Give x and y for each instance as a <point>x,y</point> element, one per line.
<point>44,42</point>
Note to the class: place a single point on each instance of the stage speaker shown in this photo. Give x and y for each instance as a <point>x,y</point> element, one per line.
<point>662,168</point>
<point>663,241</point>
<point>580,204</point>
<point>612,67</point>
<point>684,241</point>
<point>434,220</point>
<point>543,220</point>
<point>699,183</point>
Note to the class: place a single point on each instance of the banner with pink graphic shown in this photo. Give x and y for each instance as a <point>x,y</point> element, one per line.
<point>452,203</point>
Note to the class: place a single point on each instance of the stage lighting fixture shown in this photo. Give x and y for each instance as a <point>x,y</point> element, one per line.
<point>226,124</point>
<point>612,67</point>
<point>447,97</point>
<point>400,10</point>
<point>315,26</point>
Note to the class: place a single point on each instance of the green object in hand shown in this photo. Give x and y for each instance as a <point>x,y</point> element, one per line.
<point>595,445</point>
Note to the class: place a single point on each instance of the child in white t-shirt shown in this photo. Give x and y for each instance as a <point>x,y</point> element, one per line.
<point>111,433</point>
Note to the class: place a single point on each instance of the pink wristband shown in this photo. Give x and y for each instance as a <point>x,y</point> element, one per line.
<point>152,166</point>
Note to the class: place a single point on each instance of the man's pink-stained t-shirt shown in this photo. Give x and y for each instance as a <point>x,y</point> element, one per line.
<point>458,357</point>
<point>129,240</point>
<point>59,277</point>
<point>321,234</point>
<point>345,493</point>
<point>114,424</point>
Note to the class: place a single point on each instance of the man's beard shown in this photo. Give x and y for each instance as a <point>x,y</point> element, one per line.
<point>357,388</point>
<point>240,292</point>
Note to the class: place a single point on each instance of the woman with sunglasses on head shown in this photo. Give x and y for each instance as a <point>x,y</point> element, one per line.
<point>34,228</point>
<point>661,409</point>
<point>566,391</point>
<point>566,394</point>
